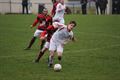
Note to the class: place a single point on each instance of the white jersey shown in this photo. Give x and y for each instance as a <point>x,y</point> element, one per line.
<point>59,15</point>
<point>62,35</point>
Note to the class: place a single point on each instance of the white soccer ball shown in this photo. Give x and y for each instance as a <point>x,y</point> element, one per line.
<point>57,67</point>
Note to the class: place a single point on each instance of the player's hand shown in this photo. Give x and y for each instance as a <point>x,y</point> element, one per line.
<point>74,39</point>
<point>42,38</point>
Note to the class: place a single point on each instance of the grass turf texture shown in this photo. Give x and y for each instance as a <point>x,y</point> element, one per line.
<point>94,56</point>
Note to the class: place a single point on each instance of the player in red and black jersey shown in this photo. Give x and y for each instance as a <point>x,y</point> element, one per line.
<point>43,20</point>
<point>54,7</point>
<point>49,32</point>
<point>48,19</point>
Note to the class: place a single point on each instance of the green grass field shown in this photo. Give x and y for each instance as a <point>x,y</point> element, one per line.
<point>94,56</point>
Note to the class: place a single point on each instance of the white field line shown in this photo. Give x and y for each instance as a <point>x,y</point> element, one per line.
<point>75,51</point>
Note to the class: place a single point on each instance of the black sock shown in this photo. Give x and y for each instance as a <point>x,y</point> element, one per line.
<point>42,44</point>
<point>59,58</point>
<point>40,55</point>
<point>31,42</point>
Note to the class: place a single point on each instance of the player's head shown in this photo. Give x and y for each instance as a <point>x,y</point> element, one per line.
<point>45,11</point>
<point>71,25</point>
<point>54,1</point>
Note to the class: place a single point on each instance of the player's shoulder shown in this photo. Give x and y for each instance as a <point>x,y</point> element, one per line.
<point>55,4</point>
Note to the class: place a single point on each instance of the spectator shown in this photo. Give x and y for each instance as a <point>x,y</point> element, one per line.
<point>24,6</point>
<point>84,6</point>
<point>115,6</point>
<point>103,6</point>
<point>67,10</point>
<point>97,6</point>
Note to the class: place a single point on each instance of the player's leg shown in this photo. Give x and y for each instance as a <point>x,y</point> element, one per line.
<point>59,52</point>
<point>31,42</point>
<point>42,44</point>
<point>36,34</point>
<point>50,59</point>
<point>52,49</point>
<point>41,53</point>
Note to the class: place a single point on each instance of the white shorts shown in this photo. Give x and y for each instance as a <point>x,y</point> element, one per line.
<point>37,33</point>
<point>47,44</point>
<point>56,46</point>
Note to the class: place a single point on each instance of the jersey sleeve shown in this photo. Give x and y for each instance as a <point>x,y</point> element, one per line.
<point>38,19</point>
<point>35,22</point>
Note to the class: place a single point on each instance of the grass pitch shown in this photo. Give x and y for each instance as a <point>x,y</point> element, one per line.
<point>94,56</point>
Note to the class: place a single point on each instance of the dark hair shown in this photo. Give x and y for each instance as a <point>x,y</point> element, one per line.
<point>73,22</point>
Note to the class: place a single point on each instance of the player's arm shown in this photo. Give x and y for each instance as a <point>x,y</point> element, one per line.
<point>35,22</point>
<point>53,11</point>
<point>39,19</point>
<point>49,28</point>
<point>58,25</point>
<point>44,33</point>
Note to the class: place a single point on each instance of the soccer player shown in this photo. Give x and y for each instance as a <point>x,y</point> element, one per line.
<point>59,38</point>
<point>59,12</point>
<point>55,2</point>
<point>43,20</point>
<point>49,32</point>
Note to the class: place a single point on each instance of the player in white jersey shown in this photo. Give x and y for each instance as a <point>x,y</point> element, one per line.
<point>59,38</point>
<point>59,13</point>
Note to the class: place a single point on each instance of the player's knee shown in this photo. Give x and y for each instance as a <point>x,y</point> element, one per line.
<point>52,53</point>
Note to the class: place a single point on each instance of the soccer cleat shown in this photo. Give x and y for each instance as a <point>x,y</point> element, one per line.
<point>50,62</point>
<point>50,65</point>
<point>36,61</point>
<point>27,49</point>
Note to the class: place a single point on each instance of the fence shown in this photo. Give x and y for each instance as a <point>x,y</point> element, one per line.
<point>16,7</point>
